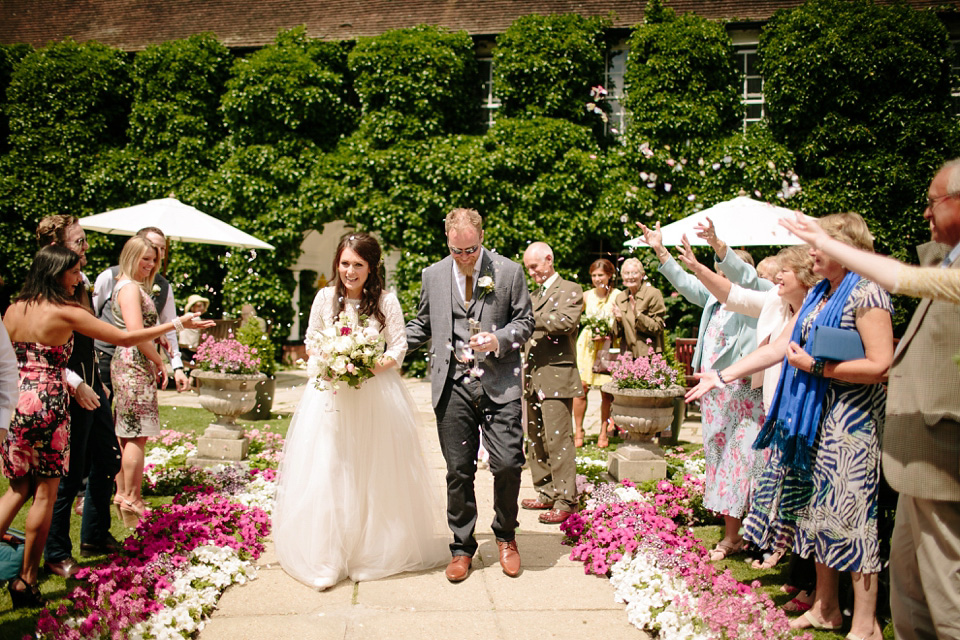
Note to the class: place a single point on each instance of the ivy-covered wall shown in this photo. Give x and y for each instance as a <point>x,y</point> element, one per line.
<point>383,133</point>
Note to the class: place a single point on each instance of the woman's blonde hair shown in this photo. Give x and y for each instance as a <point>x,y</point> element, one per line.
<point>849,228</point>
<point>634,262</point>
<point>799,260</point>
<point>134,249</point>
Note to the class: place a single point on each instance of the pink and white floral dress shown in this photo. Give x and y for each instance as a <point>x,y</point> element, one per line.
<point>731,420</point>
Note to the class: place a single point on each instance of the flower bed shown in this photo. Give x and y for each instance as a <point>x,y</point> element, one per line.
<point>181,556</point>
<point>640,538</point>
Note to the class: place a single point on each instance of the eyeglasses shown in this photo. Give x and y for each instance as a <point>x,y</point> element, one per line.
<point>932,202</point>
<point>79,242</point>
<point>469,252</point>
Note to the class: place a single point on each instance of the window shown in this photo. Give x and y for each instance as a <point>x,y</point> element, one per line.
<point>751,94</point>
<point>489,103</point>
<point>613,83</point>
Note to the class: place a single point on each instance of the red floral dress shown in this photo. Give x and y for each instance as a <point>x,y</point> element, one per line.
<point>39,440</point>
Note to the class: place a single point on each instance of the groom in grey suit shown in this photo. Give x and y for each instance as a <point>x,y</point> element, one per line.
<point>475,306</point>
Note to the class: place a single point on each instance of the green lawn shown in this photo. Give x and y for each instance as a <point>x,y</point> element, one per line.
<point>16,624</point>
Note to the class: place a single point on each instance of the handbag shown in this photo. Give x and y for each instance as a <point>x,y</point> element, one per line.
<point>11,554</point>
<point>833,343</point>
<point>606,355</point>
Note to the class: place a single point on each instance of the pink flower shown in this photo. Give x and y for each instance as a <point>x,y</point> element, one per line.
<point>29,403</point>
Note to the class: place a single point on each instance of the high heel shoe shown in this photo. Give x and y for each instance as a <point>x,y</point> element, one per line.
<point>132,513</point>
<point>29,596</point>
<point>578,438</point>
<point>603,440</point>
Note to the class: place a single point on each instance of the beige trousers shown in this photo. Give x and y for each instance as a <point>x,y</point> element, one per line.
<point>552,453</point>
<point>925,570</point>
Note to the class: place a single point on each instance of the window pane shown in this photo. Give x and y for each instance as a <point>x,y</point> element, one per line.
<point>755,85</point>
<point>754,111</point>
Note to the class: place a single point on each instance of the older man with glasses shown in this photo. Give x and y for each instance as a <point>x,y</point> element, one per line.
<point>475,307</point>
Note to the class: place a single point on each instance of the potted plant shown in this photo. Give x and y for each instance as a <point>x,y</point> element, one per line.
<point>226,374</point>
<point>643,391</point>
<point>252,335</point>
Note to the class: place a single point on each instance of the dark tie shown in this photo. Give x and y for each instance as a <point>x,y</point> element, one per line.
<point>468,288</point>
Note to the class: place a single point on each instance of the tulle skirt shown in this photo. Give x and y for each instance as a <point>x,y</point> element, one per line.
<point>354,497</point>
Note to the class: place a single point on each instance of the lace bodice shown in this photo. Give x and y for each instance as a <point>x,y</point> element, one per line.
<point>321,316</point>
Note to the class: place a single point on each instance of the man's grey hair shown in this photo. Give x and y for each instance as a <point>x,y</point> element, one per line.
<point>542,249</point>
<point>953,176</point>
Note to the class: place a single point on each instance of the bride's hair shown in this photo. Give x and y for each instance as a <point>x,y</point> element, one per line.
<point>367,247</point>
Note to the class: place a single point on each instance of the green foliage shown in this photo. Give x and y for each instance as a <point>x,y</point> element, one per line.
<point>415,83</point>
<point>865,111</point>
<point>251,335</point>
<point>295,89</point>
<point>681,82</point>
<point>66,103</point>
<point>545,66</point>
<point>10,56</point>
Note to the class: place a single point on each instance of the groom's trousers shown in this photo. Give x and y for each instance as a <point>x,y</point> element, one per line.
<point>464,410</point>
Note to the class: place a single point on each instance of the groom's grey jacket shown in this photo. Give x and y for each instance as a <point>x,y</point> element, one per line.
<point>505,312</point>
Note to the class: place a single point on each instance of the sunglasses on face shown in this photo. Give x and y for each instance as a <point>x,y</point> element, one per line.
<point>468,252</point>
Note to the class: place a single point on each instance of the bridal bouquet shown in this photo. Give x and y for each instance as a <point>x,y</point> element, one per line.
<point>346,351</point>
<point>599,324</point>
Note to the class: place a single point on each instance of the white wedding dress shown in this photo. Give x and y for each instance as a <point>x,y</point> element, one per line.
<point>354,496</point>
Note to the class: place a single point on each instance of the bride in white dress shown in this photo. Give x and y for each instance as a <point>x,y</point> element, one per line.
<point>354,497</point>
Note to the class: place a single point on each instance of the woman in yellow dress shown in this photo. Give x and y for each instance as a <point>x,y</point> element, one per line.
<point>597,302</point>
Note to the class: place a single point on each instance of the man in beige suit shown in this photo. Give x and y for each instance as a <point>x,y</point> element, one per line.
<point>551,381</point>
<point>921,445</point>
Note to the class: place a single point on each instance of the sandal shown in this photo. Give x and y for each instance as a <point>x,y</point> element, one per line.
<point>817,624</point>
<point>132,513</point>
<point>799,603</point>
<point>769,561</point>
<point>724,549</point>
<point>29,596</point>
<point>578,438</point>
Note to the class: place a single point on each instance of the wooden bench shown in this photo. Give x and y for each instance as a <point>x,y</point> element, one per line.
<point>684,348</point>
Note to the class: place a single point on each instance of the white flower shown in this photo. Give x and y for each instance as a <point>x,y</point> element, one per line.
<point>156,289</point>
<point>486,284</point>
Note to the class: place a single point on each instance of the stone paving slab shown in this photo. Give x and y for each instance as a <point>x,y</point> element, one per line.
<point>551,598</point>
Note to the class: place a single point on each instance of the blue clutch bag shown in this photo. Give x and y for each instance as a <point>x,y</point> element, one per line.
<point>832,343</point>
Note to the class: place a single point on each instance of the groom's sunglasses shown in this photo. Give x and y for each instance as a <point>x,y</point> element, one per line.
<point>470,251</point>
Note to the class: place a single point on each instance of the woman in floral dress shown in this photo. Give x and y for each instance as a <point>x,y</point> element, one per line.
<point>36,453</point>
<point>597,302</point>
<point>731,416</point>
<point>135,371</point>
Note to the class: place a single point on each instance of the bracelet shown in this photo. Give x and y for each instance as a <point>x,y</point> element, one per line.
<point>720,376</point>
<point>817,368</point>
<point>177,324</point>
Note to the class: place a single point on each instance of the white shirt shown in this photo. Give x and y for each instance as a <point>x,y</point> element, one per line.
<point>460,279</point>
<point>9,379</point>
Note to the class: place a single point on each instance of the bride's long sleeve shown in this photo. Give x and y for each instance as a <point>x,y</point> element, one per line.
<point>394,332</point>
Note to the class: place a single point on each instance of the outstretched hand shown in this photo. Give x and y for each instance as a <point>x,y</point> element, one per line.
<point>653,237</point>
<point>805,228</point>
<point>686,254</point>
<point>709,380</point>
<point>193,321</point>
<point>706,231</point>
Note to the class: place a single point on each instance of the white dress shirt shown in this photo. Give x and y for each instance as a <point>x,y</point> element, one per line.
<point>9,379</point>
<point>460,280</point>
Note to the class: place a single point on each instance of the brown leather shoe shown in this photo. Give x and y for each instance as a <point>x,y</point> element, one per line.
<point>554,516</point>
<point>534,503</point>
<point>509,558</point>
<point>65,568</point>
<point>458,568</point>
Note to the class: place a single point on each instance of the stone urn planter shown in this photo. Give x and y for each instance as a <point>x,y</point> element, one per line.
<point>226,395</point>
<point>642,414</point>
<point>263,405</point>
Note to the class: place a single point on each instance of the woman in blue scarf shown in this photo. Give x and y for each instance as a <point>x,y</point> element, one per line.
<point>820,486</point>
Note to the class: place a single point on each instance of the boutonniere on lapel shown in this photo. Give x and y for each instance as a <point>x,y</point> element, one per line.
<point>156,289</point>
<point>485,285</point>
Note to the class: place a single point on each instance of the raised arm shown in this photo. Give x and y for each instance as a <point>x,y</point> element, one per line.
<point>880,269</point>
<point>714,282</point>
<point>82,321</point>
<point>766,356</point>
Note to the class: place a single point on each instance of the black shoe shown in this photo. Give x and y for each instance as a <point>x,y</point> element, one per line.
<point>64,568</point>
<point>28,596</point>
<point>105,547</point>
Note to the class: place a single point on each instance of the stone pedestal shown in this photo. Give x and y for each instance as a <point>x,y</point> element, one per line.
<point>642,413</point>
<point>637,461</point>
<point>226,396</point>
<point>220,444</point>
